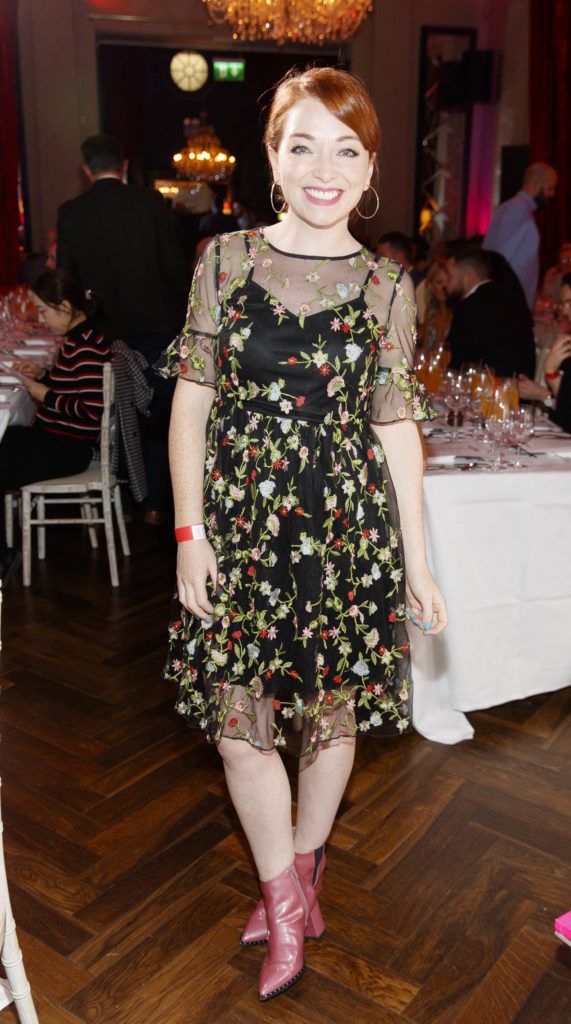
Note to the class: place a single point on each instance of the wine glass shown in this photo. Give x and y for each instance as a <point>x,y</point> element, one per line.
<point>519,428</point>
<point>455,399</point>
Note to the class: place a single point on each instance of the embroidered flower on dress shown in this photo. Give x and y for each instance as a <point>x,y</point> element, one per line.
<point>334,386</point>
<point>267,488</point>
<point>353,352</point>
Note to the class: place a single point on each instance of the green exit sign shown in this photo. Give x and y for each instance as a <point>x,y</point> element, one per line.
<point>228,70</point>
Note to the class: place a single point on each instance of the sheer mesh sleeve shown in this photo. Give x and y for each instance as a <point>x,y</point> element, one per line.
<point>192,354</point>
<point>397,394</point>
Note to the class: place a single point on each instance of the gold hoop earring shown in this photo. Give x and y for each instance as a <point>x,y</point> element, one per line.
<point>284,204</point>
<point>375,211</point>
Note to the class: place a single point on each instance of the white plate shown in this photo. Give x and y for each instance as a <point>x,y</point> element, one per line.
<point>24,353</point>
<point>5,379</point>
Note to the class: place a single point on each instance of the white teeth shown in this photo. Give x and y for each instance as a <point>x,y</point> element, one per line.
<point>322,194</point>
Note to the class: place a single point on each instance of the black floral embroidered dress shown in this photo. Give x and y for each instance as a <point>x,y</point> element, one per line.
<point>304,353</point>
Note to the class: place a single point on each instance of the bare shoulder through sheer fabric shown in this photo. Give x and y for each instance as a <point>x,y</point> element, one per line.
<point>301,287</point>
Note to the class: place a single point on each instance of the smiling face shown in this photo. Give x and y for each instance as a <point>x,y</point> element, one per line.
<point>320,165</point>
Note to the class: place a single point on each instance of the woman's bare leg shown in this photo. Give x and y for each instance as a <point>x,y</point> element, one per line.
<point>261,794</point>
<point>321,784</point>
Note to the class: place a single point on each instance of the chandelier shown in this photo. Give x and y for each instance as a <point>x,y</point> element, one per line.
<point>203,158</point>
<point>313,22</point>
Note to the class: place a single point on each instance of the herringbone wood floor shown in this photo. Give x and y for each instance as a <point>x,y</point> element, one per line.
<point>130,880</point>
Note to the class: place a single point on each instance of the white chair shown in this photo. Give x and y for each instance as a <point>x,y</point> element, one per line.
<point>11,501</point>
<point>97,485</point>
<point>17,987</point>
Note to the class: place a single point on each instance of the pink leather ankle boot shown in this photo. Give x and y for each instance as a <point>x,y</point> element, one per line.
<point>286,914</point>
<point>563,928</point>
<point>310,868</point>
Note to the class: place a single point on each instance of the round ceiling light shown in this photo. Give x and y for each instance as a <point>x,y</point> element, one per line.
<point>189,70</point>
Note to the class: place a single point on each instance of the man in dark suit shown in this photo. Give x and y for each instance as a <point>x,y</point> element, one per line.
<point>118,240</point>
<point>491,321</point>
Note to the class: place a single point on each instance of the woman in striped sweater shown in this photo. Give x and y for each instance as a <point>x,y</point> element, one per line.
<point>69,396</point>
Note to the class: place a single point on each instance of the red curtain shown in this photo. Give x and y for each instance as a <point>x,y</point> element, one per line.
<point>9,259</point>
<point>550,112</point>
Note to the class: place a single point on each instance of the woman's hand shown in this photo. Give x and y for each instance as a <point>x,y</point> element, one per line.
<point>426,606</point>
<point>530,390</point>
<point>559,351</point>
<point>195,562</point>
<point>28,368</point>
<point>37,391</point>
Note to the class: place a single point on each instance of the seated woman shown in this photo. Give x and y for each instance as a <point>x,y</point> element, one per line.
<point>437,314</point>
<point>556,393</point>
<point>69,396</point>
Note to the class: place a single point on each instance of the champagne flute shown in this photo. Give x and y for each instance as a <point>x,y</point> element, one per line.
<point>495,415</point>
<point>479,392</point>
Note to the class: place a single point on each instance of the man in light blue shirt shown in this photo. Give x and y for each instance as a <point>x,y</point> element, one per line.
<point>513,231</point>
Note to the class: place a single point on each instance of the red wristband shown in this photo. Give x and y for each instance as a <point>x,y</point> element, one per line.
<point>553,376</point>
<point>190,533</point>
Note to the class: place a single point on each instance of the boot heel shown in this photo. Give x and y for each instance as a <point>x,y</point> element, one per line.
<point>315,926</point>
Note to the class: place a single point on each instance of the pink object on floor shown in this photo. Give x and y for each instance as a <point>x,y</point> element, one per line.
<point>562,927</point>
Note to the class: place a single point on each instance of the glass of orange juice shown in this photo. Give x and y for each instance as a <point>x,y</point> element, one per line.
<point>514,393</point>
<point>421,367</point>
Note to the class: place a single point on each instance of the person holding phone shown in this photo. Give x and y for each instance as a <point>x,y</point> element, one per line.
<point>555,393</point>
<point>69,397</point>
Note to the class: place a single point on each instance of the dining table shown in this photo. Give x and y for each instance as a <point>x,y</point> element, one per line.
<point>18,341</point>
<point>499,546</point>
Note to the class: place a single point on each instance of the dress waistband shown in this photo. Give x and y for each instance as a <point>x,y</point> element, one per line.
<point>269,409</point>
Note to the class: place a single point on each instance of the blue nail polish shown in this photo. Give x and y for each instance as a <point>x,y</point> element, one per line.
<point>426,625</point>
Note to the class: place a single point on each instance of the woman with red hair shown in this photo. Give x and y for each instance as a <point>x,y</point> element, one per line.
<point>293,447</point>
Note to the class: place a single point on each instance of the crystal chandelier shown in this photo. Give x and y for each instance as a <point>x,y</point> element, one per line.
<point>203,158</point>
<point>313,22</point>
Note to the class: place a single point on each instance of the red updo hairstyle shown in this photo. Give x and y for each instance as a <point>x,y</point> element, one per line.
<point>341,93</point>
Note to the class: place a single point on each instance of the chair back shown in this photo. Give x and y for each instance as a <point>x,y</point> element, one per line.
<point>106,423</point>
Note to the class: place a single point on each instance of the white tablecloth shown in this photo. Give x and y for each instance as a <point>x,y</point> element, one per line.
<point>16,406</point>
<point>16,409</point>
<point>500,548</point>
